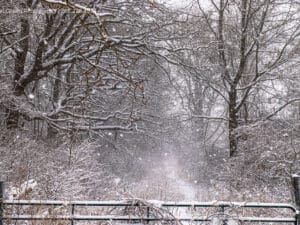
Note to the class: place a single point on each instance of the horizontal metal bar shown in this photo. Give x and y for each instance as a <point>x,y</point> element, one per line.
<point>231,204</point>
<point>65,203</point>
<point>130,218</point>
<point>103,218</point>
<point>268,219</point>
<point>161,204</point>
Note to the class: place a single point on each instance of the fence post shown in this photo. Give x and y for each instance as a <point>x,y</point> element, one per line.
<point>296,185</point>
<point>148,214</point>
<point>73,213</point>
<point>1,201</point>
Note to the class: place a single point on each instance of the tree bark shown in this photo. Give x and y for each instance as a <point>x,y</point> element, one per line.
<point>233,123</point>
<point>52,132</point>
<point>13,114</point>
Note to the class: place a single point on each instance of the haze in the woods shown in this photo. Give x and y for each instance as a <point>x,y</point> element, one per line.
<point>140,99</point>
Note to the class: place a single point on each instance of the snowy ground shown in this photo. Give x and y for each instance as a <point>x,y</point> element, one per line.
<point>171,170</point>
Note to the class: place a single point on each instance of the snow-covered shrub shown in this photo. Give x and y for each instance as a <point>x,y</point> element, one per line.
<point>67,171</point>
<point>268,156</point>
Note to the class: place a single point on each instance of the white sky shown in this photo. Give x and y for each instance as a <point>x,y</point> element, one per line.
<point>183,3</point>
<point>173,3</point>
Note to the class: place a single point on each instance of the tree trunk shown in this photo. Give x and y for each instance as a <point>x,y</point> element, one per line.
<point>12,120</point>
<point>13,114</point>
<point>198,110</point>
<point>233,123</point>
<point>52,132</point>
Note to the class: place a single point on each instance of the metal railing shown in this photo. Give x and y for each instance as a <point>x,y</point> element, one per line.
<point>73,216</point>
<point>17,210</point>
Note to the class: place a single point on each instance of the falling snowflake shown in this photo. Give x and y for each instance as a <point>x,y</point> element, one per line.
<point>117,180</point>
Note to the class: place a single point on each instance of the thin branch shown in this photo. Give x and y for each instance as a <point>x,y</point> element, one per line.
<point>281,108</point>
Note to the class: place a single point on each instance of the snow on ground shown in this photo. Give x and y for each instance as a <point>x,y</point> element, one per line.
<point>169,170</point>
<point>172,171</point>
<point>17,192</point>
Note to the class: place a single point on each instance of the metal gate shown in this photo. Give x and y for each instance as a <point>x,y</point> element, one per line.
<point>138,211</point>
<point>148,212</point>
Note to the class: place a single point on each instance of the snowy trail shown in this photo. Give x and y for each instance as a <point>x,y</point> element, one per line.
<point>186,189</point>
<point>171,168</point>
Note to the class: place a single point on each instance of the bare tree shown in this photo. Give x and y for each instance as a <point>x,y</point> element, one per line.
<point>79,59</point>
<point>253,40</point>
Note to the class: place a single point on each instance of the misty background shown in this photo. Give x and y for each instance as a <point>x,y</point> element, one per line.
<point>154,100</point>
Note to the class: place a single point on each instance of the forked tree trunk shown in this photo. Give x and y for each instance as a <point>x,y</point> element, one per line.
<point>13,114</point>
